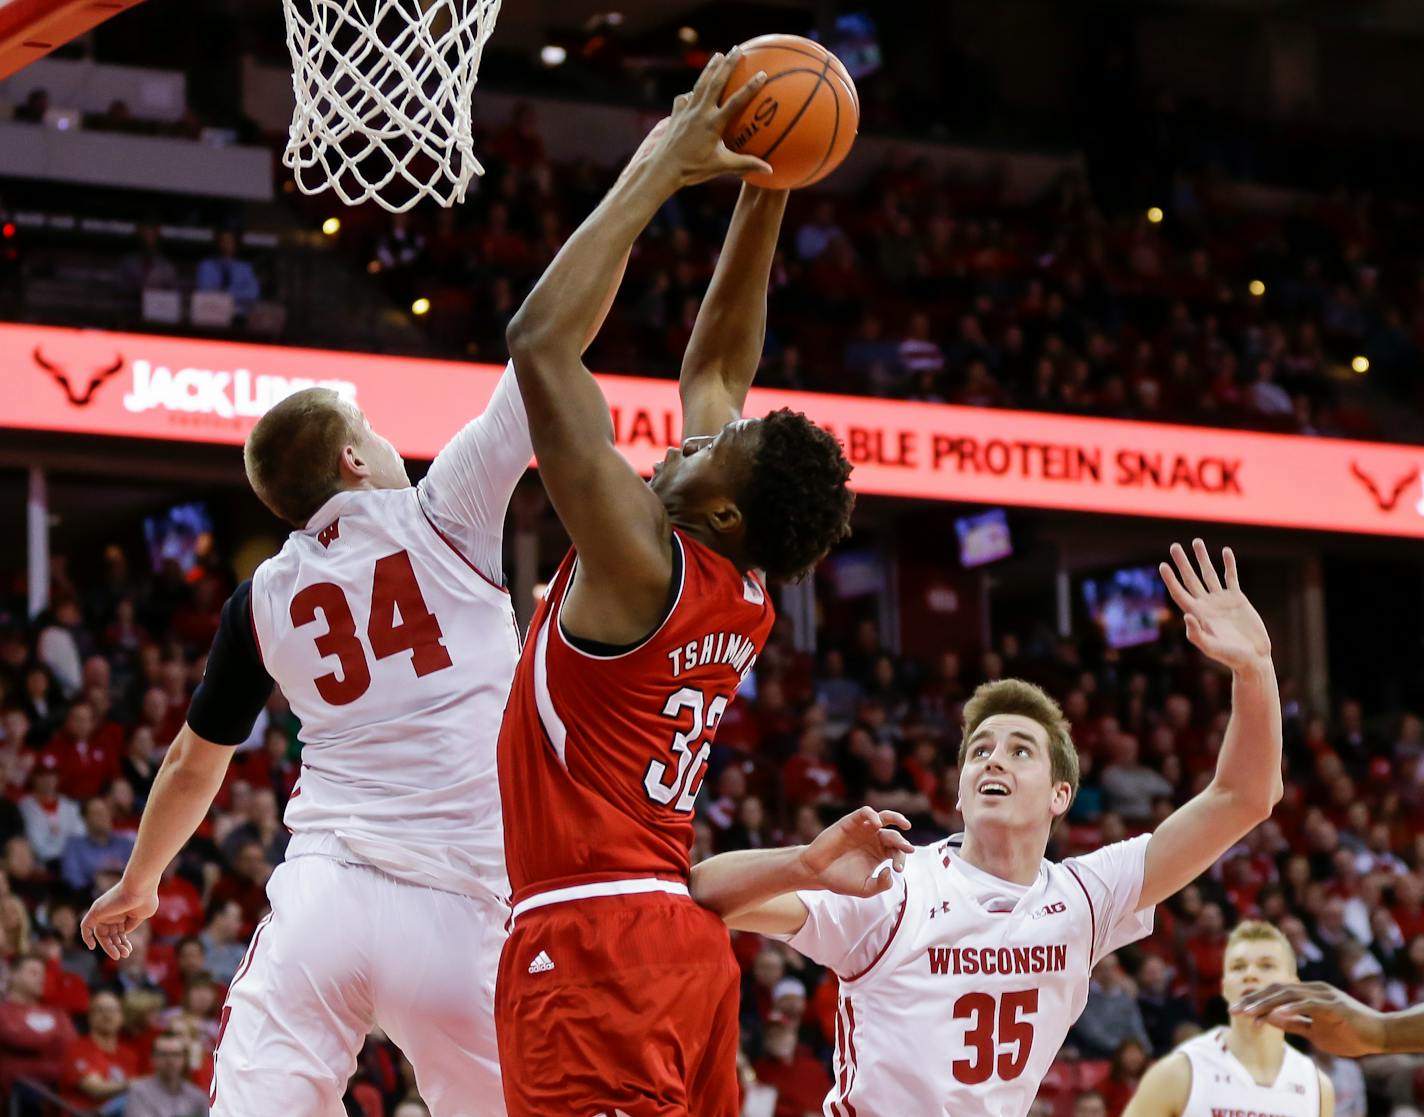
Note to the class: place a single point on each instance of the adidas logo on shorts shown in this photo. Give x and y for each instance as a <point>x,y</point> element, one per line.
<point>541,964</point>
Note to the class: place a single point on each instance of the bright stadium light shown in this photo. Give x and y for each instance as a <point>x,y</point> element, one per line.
<point>1154,215</point>
<point>331,226</point>
<point>553,55</point>
<point>1361,365</point>
<point>420,307</point>
<point>1257,288</point>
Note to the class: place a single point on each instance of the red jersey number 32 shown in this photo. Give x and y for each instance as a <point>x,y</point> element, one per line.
<point>679,787</point>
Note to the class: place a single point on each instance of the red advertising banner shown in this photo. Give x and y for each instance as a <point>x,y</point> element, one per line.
<point>187,390</point>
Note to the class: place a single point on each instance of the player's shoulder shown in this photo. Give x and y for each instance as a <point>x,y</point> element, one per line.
<point>1168,1081</point>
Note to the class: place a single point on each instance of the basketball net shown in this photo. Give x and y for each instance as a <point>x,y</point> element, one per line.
<point>383,91</point>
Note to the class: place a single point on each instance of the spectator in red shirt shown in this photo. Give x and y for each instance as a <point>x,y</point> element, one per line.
<point>246,884</point>
<point>33,1036</point>
<point>85,764</point>
<point>63,988</point>
<point>800,1078</point>
<point>180,907</point>
<point>810,778</point>
<point>99,1066</point>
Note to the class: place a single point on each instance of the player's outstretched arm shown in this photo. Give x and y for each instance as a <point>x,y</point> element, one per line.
<point>187,781</point>
<point>1247,783</point>
<point>725,349</point>
<point>616,523</point>
<point>1164,1089</point>
<point>754,889</point>
<point>1334,1021</point>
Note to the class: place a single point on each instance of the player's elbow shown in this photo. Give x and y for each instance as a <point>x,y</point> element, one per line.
<point>531,339</point>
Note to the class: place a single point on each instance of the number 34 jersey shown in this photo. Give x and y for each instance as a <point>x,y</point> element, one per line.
<point>603,750</point>
<point>957,990</point>
<point>396,653</point>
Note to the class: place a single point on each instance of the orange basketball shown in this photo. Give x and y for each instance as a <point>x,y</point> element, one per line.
<point>805,117</point>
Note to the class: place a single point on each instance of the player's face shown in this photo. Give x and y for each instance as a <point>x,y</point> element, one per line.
<point>1007,777</point>
<point>706,465</point>
<point>386,465</point>
<point>1253,964</point>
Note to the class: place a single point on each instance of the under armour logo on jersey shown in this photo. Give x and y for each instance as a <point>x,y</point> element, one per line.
<point>542,964</point>
<point>752,591</point>
<point>330,533</point>
<point>1050,909</point>
<point>941,908</point>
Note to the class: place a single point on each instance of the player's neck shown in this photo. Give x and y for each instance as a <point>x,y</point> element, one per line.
<point>1260,1049</point>
<point>1005,853</point>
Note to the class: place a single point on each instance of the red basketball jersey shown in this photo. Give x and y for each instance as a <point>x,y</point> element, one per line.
<point>601,756</point>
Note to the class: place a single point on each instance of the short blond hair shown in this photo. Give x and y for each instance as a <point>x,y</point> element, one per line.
<point>1015,696</point>
<point>1255,930</point>
<point>293,454</point>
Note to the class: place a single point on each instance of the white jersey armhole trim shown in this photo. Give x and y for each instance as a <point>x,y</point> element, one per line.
<point>543,700</point>
<point>884,950</point>
<point>558,619</point>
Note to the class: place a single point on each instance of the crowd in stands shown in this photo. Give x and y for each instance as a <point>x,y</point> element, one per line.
<point>919,285</point>
<point>93,691</point>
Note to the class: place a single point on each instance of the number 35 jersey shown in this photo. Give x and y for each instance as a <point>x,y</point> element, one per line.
<point>957,989</point>
<point>603,750</point>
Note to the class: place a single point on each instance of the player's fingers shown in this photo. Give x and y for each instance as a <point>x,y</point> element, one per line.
<point>741,165</point>
<point>107,944</point>
<point>1184,568</point>
<point>712,78</point>
<point>894,818</point>
<point>1264,1000</point>
<point>1228,564</point>
<point>86,932</point>
<point>1204,563</point>
<point>1174,587</point>
<point>897,861</point>
<point>894,841</point>
<point>741,98</point>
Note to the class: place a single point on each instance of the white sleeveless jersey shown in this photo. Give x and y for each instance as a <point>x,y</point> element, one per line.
<point>947,1007</point>
<point>1222,1087</point>
<point>397,653</point>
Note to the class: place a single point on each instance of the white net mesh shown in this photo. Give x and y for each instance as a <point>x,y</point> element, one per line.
<point>383,92</point>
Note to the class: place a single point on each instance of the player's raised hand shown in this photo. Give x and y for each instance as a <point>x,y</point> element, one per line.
<point>1220,621</point>
<point>846,855</point>
<point>1331,1020</point>
<point>113,915</point>
<point>692,145</point>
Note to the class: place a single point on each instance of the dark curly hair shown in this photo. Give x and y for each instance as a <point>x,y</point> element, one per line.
<point>795,504</point>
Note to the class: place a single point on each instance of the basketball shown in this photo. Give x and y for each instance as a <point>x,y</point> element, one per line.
<point>804,120</point>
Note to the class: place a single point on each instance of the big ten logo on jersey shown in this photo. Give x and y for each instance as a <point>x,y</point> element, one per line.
<point>398,621</point>
<point>729,648</point>
<point>697,718</point>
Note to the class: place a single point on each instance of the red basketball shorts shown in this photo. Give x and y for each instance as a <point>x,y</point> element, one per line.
<point>619,1004</point>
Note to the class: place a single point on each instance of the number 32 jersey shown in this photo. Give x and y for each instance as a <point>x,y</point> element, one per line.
<point>957,990</point>
<point>603,750</point>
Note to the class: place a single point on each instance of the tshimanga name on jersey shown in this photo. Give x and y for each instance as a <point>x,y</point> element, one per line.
<point>716,647</point>
<point>998,960</point>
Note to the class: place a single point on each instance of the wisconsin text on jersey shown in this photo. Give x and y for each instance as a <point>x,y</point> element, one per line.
<point>734,650</point>
<point>1052,958</point>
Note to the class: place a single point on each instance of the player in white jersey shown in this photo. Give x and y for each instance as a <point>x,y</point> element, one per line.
<point>384,621</point>
<point>960,979</point>
<point>1246,1069</point>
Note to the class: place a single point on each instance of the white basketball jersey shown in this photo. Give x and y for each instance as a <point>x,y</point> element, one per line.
<point>397,654</point>
<point>1222,1087</point>
<point>963,1008</point>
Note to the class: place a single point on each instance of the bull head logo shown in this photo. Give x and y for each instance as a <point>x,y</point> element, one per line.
<point>1386,503</point>
<point>61,377</point>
